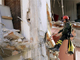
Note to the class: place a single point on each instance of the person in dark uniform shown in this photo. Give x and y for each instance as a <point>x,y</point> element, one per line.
<point>66,31</point>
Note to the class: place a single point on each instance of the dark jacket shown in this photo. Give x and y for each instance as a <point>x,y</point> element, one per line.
<point>66,30</point>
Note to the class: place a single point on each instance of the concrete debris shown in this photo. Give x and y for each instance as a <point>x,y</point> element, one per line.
<point>16,40</point>
<point>52,57</point>
<point>11,36</point>
<point>20,40</point>
<point>7,33</point>
<point>21,58</point>
<point>15,52</point>
<point>29,59</point>
<point>76,41</point>
<point>25,40</point>
<point>6,40</point>
<point>12,41</point>
<point>6,30</point>
<point>58,23</point>
<point>76,25</point>
<point>21,47</point>
<point>29,54</point>
<point>19,35</point>
<point>11,47</point>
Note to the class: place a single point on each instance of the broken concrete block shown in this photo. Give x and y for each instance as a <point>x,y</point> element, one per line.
<point>21,47</point>
<point>25,54</point>
<point>11,36</point>
<point>76,41</point>
<point>16,40</point>
<point>15,52</point>
<point>11,47</point>
<point>19,35</point>
<point>29,54</point>
<point>19,40</point>
<point>3,44</point>
<point>21,58</point>
<point>6,40</point>
<point>25,40</point>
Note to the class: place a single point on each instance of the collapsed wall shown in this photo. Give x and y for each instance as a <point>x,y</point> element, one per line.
<point>35,48</point>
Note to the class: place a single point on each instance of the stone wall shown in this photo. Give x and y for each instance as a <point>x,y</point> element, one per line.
<point>34,30</point>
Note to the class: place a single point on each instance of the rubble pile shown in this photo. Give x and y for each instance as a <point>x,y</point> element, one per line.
<point>76,25</point>
<point>11,43</point>
<point>58,24</point>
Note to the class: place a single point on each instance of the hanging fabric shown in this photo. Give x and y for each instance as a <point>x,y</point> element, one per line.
<point>70,47</point>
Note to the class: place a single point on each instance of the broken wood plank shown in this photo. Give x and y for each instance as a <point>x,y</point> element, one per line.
<point>6,17</point>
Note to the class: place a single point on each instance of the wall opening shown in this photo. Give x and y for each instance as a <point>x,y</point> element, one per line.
<point>78,11</point>
<point>28,16</point>
<point>15,11</point>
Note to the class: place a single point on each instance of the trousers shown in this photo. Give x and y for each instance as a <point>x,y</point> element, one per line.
<point>59,42</point>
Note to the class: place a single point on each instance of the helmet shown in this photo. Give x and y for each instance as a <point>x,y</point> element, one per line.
<point>65,17</point>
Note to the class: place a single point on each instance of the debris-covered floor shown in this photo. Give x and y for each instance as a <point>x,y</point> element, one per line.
<point>30,42</point>
<point>12,43</point>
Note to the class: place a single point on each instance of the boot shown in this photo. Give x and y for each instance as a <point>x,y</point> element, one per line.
<point>55,48</point>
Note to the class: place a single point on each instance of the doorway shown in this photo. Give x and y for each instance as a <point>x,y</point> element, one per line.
<point>15,11</point>
<point>78,11</point>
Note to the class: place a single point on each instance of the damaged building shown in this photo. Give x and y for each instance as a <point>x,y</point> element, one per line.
<point>23,27</point>
<point>60,8</point>
<point>26,28</point>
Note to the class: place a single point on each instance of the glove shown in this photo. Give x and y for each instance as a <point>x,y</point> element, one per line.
<point>71,35</point>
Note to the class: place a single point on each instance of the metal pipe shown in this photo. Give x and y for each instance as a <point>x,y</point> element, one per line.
<point>62,7</point>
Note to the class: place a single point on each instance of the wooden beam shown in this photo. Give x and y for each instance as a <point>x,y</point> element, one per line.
<point>6,17</point>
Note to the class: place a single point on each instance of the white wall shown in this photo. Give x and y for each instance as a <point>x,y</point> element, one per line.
<point>25,28</point>
<point>0,2</point>
<point>0,22</point>
<point>43,18</point>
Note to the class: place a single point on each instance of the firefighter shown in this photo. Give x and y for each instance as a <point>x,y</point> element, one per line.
<point>66,31</point>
